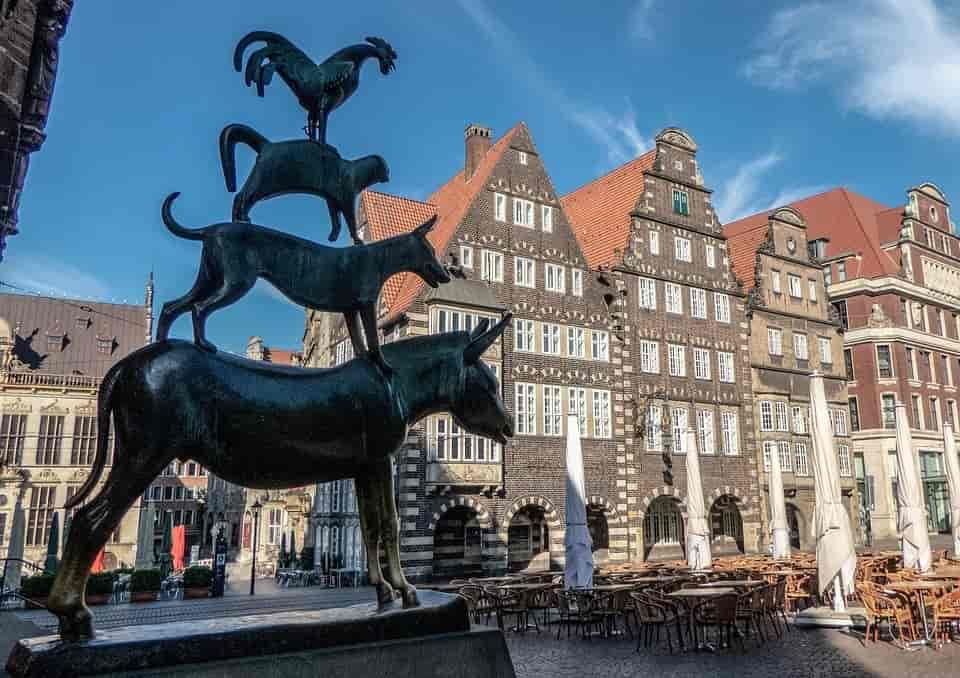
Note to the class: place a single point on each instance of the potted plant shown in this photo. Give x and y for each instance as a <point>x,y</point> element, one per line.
<point>196,581</point>
<point>145,585</point>
<point>99,588</point>
<point>36,589</point>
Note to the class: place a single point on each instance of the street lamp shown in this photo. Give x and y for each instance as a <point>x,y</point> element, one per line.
<point>256,533</point>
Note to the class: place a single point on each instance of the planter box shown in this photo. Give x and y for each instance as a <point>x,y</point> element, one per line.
<point>144,596</point>
<point>200,592</point>
<point>97,598</point>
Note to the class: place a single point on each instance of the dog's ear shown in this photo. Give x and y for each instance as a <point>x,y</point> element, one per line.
<point>425,227</point>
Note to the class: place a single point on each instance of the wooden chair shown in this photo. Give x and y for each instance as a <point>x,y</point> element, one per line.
<point>720,613</point>
<point>889,606</point>
<point>946,615</point>
<point>652,617</point>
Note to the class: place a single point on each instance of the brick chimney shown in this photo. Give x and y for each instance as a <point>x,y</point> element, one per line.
<point>477,141</point>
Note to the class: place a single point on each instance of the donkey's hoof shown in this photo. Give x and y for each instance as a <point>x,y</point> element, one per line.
<point>77,626</point>
<point>410,597</point>
<point>206,345</point>
<point>385,594</point>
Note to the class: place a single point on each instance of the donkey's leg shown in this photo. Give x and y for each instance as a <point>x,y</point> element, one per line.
<point>172,310</point>
<point>89,530</point>
<point>352,319</point>
<point>334,219</point>
<point>390,532</point>
<point>369,508</point>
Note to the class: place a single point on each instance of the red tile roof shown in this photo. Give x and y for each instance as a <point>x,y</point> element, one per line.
<point>743,252</point>
<point>281,356</point>
<point>854,224</point>
<point>599,212</point>
<point>390,215</point>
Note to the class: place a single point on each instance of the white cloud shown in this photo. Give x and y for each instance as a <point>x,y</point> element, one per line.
<point>745,192</point>
<point>640,20</point>
<point>889,59</point>
<point>617,133</point>
<point>266,289</point>
<point>51,277</point>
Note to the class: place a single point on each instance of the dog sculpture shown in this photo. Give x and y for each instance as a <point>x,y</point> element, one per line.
<point>261,425</point>
<point>337,279</point>
<point>299,166</point>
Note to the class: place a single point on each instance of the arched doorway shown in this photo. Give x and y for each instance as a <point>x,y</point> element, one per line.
<point>663,530</point>
<point>599,532</point>
<point>457,544</point>
<point>793,525</point>
<point>528,540</point>
<point>726,526</point>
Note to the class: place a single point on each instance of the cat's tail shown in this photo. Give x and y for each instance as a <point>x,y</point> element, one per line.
<point>229,138</point>
<point>173,226</point>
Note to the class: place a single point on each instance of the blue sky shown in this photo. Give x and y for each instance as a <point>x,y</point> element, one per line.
<point>784,99</point>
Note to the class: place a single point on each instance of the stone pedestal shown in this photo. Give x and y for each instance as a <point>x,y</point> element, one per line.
<point>432,640</point>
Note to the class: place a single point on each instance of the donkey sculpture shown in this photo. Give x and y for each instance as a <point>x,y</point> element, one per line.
<point>261,425</point>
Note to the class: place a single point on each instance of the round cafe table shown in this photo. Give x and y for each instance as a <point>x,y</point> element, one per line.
<point>917,588</point>
<point>691,597</point>
<point>734,583</point>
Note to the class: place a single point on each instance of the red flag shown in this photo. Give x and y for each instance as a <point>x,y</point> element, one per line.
<point>97,566</point>
<point>179,546</point>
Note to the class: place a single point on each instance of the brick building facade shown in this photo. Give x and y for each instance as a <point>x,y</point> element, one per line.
<point>681,343</point>
<point>792,334</point>
<point>30,34</point>
<point>892,276</point>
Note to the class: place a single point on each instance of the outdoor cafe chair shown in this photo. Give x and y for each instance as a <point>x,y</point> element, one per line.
<point>541,601</point>
<point>750,612</point>
<point>780,601</point>
<point>473,594</point>
<point>720,613</point>
<point>881,607</point>
<point>769,593</point>
<point>567,614</point>
<point>946,615</point>
<point>651,618</point>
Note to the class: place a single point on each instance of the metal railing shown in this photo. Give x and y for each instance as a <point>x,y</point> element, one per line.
<point>52,380</point>
<point>11,598</point>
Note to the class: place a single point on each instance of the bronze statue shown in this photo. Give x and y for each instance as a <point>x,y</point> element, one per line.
<point>299,166</point>
<point>320,88</point>
<point>266,426</point>
<point>337,279</point>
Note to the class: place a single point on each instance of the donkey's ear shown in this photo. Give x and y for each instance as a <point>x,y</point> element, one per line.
<point>425,227</point>
<point>481,342</point>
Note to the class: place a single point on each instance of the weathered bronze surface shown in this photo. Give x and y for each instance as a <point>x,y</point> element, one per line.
<point>262,425</point>
<point>194,642</point>
<point>320,88</point>
<point>299,166</point>
<point>338,279</point>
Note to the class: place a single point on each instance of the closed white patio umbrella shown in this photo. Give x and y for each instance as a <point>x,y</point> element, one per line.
<point>952,465</point>
<point>836,557</point>
<point>912,525</point>
<point>698,531</point>
<point>578,561</point>
<point>778,509</point>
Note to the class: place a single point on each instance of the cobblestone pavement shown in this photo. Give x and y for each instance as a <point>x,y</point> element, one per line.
<point>800,653</point>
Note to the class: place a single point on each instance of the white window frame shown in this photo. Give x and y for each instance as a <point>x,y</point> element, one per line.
<point>654,240</point>
<point>721,307</point>
<point>677,360</point>
<point>782,417</point>
<point>730,436</point>
<point>552,410</point>
<point>701,363</point>
<point>794,286</point>
<point>550,338</point>
<point>525,401</point>
<point>800,349</point>
<point>576,282</point>
<point>466,256</point>
<point>725,367</point>
<point>546,218</point>
<point>653,433</point>
<point>774,341</point>
<point>647,293</point>
<point>826,350</point>
<point>769,446</point>
<point>523,211</point>
<point>705,433</point>
<point>845,461</point>
<point>577,404</point>
<point>649,356</point>
<point>679,420</point>
<point>673,295</point>
<point>710,254</point>
<point>786,454</point>
<point>500,207</point>
<point>775,281</point>
<point>799,420</point>
<point>524,335</point>
<point>698,303</point>
<point>766,416</point>
<point>559,278</point>
<point>600,345</point>
<point>576,342</point>
<point>525,272</point>
<point>522,157</point>
<point>681,249</point>
<point>491,263</point>
<point>601,414</point>
<point>800,466</point>
<point>812,289</point>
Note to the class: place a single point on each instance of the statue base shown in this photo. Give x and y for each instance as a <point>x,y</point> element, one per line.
<point>432,640</point>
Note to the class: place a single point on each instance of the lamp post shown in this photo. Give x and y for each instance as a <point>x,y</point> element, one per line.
<point>256,533</point>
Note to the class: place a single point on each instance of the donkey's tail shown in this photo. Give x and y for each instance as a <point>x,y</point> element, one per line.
<point>103,437</point>
<point>173,226</point>
<point>229,138</point>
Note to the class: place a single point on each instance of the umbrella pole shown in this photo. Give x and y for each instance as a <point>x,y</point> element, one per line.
<point>839,604</point>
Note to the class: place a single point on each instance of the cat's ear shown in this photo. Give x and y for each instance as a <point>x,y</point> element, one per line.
<point>424,228</point>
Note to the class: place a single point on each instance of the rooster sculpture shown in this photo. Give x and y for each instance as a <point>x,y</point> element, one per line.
<point>320,88</point>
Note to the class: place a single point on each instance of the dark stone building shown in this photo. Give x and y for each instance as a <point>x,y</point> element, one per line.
<point>30,33</point>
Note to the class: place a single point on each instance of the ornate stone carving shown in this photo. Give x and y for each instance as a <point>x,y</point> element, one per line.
<point>877,317</point>
<point>54,407</point>
<point>16,406</point>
